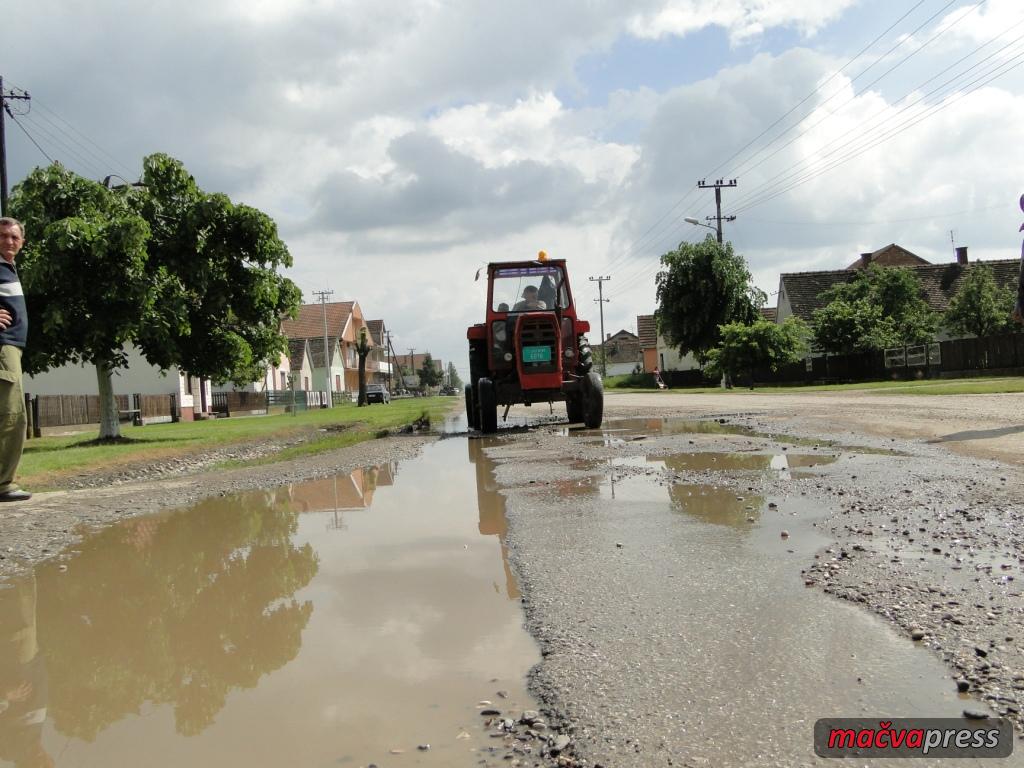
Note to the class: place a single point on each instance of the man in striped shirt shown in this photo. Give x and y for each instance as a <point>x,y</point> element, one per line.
<point>13,333</point>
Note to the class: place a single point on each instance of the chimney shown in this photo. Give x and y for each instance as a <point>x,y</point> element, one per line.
<point>865,260</point>
<point>607,337</point>
<point>961,255</point>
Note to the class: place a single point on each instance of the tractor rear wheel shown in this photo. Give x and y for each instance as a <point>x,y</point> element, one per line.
<point>593,400</point>
<point>487,403</point>
<point>471,413</point>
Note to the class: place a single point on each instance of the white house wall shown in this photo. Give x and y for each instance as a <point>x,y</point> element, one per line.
<point>140,377</point>
<point>669,358</point>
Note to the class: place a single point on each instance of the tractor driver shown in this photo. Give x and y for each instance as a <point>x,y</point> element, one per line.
<point>530,300</point>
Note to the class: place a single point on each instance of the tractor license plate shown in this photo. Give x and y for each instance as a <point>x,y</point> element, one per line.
<point>536,354</point>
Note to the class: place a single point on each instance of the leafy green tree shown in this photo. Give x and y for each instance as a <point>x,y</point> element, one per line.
<point>454,380</point>
<point>189,278</point>
<point>701,287</point>
<point>362,349</point>
<point>429,374</point>
<point>844,326</point>
<point>744,348</point>
<point>980,307</point>
<point>879,308</point>
<point>86,275</point>
<point>224,318</point>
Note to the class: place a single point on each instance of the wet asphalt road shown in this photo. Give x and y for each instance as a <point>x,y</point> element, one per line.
<point>683,583</point>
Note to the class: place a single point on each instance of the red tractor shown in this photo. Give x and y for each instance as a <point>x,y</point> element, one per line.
<point>533,348</point>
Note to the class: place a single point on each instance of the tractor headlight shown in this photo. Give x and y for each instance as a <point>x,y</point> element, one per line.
<point>569,354</point>
<point>508,357</point>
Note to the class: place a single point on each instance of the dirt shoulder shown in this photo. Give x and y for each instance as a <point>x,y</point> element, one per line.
<point>982,426</point>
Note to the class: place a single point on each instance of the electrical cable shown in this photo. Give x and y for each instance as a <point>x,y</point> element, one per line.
<point>896,131</point>
<point>860,92</point>
<point>17,122</point>
<point>861,128</point>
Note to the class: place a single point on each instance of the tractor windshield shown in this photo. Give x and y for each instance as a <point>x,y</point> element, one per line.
<point>527,289</point>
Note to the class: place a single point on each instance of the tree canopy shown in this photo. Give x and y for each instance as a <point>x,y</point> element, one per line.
<point>429,374</point>
<point>454,380</point>
<point>762,344</point>
<point>188,278</point>
<point>702,287</point>
<point>879,308</point>
<point>980,307</point>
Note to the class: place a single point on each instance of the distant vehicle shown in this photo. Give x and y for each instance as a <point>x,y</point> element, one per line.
<point>377,393</point>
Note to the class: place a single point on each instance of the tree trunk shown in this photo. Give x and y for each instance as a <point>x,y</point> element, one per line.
<point>110,424</point>
<point>362,379</point>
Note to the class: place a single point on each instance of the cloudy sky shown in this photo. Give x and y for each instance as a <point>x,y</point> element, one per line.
<point>400,144</point>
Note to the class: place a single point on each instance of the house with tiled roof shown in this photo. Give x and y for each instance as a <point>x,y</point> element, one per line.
<point>300,364</point>
<point>620,353</point>
<point>891,255</point>
<point>344,320</point>
<point>800,292</point>
<point>412,364</point>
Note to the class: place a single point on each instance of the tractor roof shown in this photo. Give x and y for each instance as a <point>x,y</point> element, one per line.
<point>526,263</point>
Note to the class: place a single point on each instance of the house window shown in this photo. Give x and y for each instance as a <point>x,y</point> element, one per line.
<point>284,380</point>
<point>305,381</point>
<point>337,382</point>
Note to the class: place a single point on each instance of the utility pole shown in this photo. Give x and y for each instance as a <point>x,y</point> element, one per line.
<point>323,295</point>
<point>601,301</point>
<point>412,358</point>
<point>5,110</point>
<point>718,218</point>
<point>389,351</point>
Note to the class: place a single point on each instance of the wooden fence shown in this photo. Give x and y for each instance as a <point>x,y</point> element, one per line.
<point>227,403</point>
<point>72,410</point>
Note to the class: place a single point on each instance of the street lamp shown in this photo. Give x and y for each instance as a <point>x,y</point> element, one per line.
<point>691,220</point>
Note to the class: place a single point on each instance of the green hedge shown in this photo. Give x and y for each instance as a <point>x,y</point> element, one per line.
<point>631,381</point>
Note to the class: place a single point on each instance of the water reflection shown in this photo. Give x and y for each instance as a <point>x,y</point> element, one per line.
<point>176,609</point>
<point>720,506</point>
<point>24,689</point>
<point>343,492</point>
<point>491,506</point>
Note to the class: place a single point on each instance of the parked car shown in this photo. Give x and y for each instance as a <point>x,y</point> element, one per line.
<point>377,393</point>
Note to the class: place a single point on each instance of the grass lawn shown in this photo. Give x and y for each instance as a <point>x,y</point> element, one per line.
<point>46,459</point>
<point>979,386</point>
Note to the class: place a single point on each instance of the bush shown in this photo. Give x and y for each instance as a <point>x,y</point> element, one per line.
<point>631,381</point>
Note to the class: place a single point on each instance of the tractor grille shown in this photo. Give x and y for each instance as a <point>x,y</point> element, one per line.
<point>539,332</point>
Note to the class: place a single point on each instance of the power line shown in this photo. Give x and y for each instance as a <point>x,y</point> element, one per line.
<point>892,133</point>
<point>804,100</point>
<point>639,241</point>
<point>858,93</point>
<point>91,168</point>
<point>29,135</point>
<point>105,158</point>
<point>862,127</point>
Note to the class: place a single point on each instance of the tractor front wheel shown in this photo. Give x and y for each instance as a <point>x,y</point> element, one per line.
<point>487,402</point>
<point>593,400</point>
<point>471,413</point>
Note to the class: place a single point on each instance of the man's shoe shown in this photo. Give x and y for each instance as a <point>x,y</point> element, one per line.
<point>15,496</point>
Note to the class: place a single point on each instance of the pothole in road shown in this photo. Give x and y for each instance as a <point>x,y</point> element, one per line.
<point>342,621</point>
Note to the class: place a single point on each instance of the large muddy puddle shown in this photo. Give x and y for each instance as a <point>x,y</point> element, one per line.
<point>734,648</point>
<point>343,622</point>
